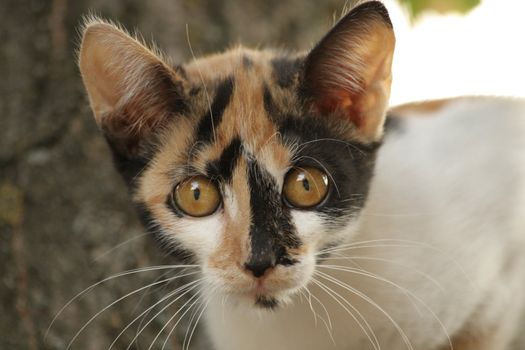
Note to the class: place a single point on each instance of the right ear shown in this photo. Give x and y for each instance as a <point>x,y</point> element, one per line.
<point>349,72</point>
<point>132,91</point>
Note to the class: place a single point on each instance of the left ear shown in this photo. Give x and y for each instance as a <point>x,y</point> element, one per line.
<point>349,71</point>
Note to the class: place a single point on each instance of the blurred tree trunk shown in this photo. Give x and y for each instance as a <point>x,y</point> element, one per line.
<point>64,212</point>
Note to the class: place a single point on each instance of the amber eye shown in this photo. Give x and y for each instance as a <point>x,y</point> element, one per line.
<point>305,187</point>
<point>197,196</point>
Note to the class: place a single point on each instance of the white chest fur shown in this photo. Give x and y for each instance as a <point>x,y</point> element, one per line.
<point>442,240</point>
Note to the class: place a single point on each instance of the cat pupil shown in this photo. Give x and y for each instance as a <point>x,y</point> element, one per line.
<point>196,191</point>
<point>306,185</point>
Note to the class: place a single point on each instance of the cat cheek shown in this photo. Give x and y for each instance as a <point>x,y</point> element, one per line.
<point>309,226</point>
<point>199,235</point>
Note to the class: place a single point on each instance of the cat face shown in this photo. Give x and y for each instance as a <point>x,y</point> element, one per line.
<point>249,163</point>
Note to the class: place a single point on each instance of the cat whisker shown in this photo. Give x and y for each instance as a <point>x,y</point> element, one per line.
<point>205,306</point>
<point>144,295</point>
<point>309,301</point>
<point>399,243</point>
<point>194,296</point>
<point>412,214</point>
<point>309,296</point>
<point>369,332</point>
<point>332,140</point>
<point>191,156</point>
<point>121,274</point>
<point>117,301</point>
<point>120,245</point>
<point>404,290</point>
<point>355,247</point>
<point>225,300</point>
<point>387,242</point>
<point>419,272</point>
<point>192,317</point>
<point>197,297</point>
<point>382,240</point>
<point>366,273</point>
<point>370,301</point>
<point>353,197</point>
<point>312,295</point>
<point>275,134</point>
<point>188,286</point>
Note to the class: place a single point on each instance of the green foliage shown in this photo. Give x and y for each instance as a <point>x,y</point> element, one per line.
<point>416,7</point>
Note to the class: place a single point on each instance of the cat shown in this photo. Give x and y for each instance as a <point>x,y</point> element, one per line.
<point>316,221</point>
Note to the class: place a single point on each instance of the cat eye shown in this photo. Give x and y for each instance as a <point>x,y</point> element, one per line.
<point>305,187</point>
<point>197,196</point>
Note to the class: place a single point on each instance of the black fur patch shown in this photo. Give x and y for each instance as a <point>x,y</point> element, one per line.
<point>195,90</point>
<point>223,167</point>
<point>286,70</point>
<point>266,302</point>
<point>211,120</point>
<point>174,250</point>
<point>247,63</point>
<point>271,229</point>
<point>348,164</point>
<point>394,124</point>
<point>269,104</point>
<point>128,166</point>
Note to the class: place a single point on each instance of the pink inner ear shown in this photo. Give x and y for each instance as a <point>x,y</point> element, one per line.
<point>340,101</point>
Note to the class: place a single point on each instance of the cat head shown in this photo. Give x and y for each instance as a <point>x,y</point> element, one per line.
<point>249,163</point>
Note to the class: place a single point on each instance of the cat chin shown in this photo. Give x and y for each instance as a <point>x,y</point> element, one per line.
<point>258,302</point>
<point>265,302</point>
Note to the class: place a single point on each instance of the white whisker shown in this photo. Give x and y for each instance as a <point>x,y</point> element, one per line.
<point>115,302</point>
<point>121,274</point>
<point>197,322</point>
<point>398,243</point>
<point>97,258</point>
<point>197,297</point>
<point>371,302</point>
<point>389,261</point>
<point>328,324</point>
<point>369,332</point>
<point>406,292</point>
<point>145,312</point>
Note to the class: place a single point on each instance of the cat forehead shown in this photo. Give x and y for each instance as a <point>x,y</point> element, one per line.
<point>273,66</point>
<point>238,99</point>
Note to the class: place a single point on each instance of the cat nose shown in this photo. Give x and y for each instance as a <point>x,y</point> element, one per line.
<point>258,265</point>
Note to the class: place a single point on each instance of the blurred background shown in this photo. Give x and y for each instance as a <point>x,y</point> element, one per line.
<point>66,220</point>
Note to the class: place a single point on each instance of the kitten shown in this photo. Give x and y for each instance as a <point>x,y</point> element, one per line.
<point>317,222</point>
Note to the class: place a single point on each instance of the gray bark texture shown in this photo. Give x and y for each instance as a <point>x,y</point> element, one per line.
<point>66,219</point>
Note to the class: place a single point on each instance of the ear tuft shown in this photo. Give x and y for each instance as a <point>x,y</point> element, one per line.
<point>131,89</point>
<point>349,70</point>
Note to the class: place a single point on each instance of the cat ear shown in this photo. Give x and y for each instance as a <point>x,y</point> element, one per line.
<point>349,70</point>
<point>132,91</point>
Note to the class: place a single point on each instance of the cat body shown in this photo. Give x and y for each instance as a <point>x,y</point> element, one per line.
<point>439,205</point>
<point>315,223</point>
